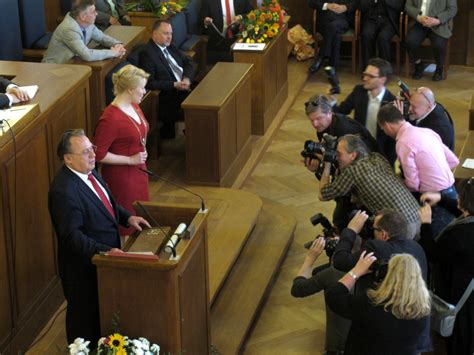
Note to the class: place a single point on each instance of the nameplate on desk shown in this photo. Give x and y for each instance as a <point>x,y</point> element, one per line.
<point>258,47</point>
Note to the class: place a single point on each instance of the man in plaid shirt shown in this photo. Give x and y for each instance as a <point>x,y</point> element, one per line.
<point>370,180</point>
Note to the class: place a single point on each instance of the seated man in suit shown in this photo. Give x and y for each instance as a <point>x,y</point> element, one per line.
<point>380,22</point>
<point>431,21</point>
<point>111,13</point>
<point>71,37</point>
<point>222,14</point>
<point>426,112</point>
<point>334,19</point>
<point>365,100</point>
<point>170,71</point>
<point>10,93</point>
<point>85,217</point>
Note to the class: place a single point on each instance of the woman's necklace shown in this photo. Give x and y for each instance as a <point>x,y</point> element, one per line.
<point>142,121</point>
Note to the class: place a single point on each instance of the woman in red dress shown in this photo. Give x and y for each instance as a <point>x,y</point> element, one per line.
<point>120,137</point>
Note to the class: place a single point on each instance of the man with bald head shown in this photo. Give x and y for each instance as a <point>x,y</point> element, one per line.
<point>427,113</point>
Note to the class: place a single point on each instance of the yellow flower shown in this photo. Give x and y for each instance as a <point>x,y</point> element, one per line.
<point>121,352</point>
<point>116,341</point>
<point>251,16</point>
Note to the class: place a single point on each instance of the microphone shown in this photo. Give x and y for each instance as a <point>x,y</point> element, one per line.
<point>151,173</point>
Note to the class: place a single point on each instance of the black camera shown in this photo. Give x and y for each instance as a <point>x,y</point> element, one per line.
<point>367,231</point>
<point>379,269</point>
<point>327,148</point>
<point>329,232</point>
<point>405,94</point>
<point>333,80</point>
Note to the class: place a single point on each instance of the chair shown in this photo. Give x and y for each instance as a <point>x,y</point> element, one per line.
<point>397,40</point>
<point>351,35</point>
<point>427,43</point>
<point>35,38</point>
<point>194,45</point>
<point>10,27</point>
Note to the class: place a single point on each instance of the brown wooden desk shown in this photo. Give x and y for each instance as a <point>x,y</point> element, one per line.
<point>466,152</point>
<point>269,80</point>
<point>30,289</point>
<point>471,114</point>
<point>218,125</point>
<point>130,36</point>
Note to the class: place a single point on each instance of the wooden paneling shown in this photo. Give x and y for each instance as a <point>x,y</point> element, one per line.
<point>300,13</point>
<point>52,13</point>
<point>34,256</point>
<point>27,167</point>
<point>218,125</point>
<point>470,37</point>
<point>269,80</point>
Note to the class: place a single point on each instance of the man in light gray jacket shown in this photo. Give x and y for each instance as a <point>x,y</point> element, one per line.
<point>71,37</point>
<point>432,20</point>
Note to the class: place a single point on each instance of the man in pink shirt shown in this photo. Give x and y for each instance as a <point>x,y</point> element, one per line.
<point>426,162</point>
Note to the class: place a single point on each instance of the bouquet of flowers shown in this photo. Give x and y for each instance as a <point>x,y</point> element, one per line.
<point>262,24</point>
<point>160,8</point>
<point>168,8</point>
<point>115,344</point>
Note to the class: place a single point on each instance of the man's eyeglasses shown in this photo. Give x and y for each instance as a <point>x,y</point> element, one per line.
<point>371,76</point>
<point>377,229</point>
<point>87,152</point>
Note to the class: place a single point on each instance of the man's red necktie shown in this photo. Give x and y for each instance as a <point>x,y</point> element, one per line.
<point>101,194</point>
<point>228,16</point>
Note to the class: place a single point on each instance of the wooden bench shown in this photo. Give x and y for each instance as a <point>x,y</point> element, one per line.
<point>466,152</point>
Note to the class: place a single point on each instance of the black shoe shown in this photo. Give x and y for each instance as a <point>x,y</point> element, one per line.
<point>314,68</point>
<point>419,69</point>
<point>438,74</point>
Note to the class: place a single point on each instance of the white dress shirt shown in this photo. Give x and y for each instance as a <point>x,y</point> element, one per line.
<point>372,111</point>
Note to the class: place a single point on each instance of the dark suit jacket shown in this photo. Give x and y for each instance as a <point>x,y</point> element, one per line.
<point>394,7</point>
<point>441,123</point>
<point>326,16</point>
<point>4,101</point>
<point>153,61</point>
<point>358,101</point>
<point>345,260</point>
<point>213,9</point>
<point>83,225</point>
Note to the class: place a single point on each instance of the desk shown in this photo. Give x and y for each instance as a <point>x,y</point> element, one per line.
<point>466,152</point>
<point>30,289</point>
<point>130,36</point>
<point>218,125</point>
<point>269,79</point>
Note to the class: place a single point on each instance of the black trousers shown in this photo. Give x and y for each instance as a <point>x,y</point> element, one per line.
<point>82,314</point>
<point>332,32</point>
<point>416,35</point>
<point>169,111</point>
<point>376,32</point>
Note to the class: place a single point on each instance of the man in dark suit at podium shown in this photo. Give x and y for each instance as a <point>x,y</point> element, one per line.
<point>85,217</point>
<point>222,14</point>
<point>170,71</point>
<point>10,93</point>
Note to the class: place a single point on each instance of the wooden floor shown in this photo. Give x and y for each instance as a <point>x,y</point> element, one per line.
<point>288,325</point>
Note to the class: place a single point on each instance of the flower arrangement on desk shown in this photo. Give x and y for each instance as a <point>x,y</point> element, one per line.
<point>262,24</point>
<point>115,344</point>
<point>158,8</point>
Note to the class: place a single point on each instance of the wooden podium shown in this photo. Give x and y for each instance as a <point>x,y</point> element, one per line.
<point>163,300</point>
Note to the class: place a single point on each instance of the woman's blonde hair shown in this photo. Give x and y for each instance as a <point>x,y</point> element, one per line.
<point>127,78</point>
<point>403,290</point>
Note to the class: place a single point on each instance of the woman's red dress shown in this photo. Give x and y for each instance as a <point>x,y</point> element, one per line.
<point>120,134</point>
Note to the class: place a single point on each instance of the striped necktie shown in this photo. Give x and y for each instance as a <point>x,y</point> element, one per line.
<point>177,71</point>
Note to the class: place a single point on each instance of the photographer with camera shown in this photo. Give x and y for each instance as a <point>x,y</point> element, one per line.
<point>425,112</point>
<point>309,281</point>
<point>370,180</point>
<point>324,121</point>
<point>390,230</point>
<point>365,100</point>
